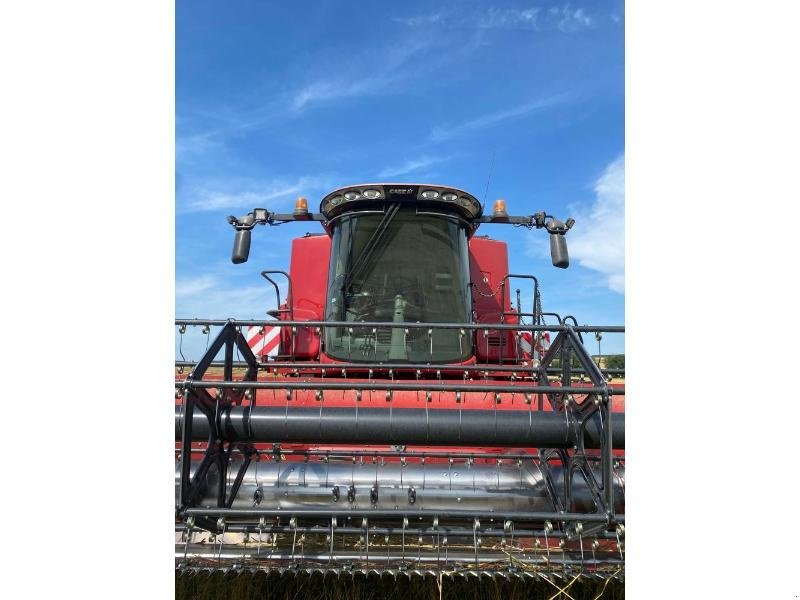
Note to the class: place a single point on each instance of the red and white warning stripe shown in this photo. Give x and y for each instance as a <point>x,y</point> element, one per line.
<point>526,343</point>
<point>263,344</point>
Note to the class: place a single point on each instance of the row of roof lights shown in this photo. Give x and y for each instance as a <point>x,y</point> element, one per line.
<point>371,194</point>
<point>349,196</point>
<point>433,194</point>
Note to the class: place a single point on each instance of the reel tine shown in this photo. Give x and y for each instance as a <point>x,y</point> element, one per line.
<point>188,533</point>
<point>221,537</point>
<point>293,525</point>
<point>475,525</point>
<point>365,527</point>
<point>261,524</point>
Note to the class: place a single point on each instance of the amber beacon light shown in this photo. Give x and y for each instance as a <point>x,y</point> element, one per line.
<point>300,207</point>
<point>499,209</point>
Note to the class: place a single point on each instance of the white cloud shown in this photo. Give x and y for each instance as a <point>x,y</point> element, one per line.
<point>564,17</point>
<point>419,20</point>
<point>357,75</point>
<point>365,75</point>
<point>189,148</point>
<point>247,194</point>
<point>193,285</point>
<point>442,133</point>
<point>570,20</point>
<point>597,241</point>
<point>495,18</point>
<point>412,165</point>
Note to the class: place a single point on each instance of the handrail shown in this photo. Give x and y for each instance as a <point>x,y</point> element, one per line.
<point>389,366</point>
<point>407,325</point>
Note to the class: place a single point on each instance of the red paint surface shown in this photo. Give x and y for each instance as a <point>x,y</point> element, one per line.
<point>308,270</point>
<point>488,265</point>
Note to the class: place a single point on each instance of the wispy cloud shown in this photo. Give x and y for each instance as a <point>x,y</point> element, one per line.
<point>442,133</point>
<point>568,19</point>
<point>412,165</point>
<point>189,148</point>
<point>193,285</point>
<point>360,74</point>
<point>509,18</point>
<point>416,21</point>
<point>247,194</point>
<point>564,18</point>
<point>598,240</point>
<point>365,75</point>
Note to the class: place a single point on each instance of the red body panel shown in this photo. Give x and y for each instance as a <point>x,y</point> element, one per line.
<point>308,270</point>
<point>488,265</point>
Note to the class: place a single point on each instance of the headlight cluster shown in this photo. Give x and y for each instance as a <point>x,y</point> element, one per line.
<point>338,201</point>
<point>350,196</point>
<point>471,205</point>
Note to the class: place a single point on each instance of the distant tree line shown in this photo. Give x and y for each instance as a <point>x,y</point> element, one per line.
<point>614,361</point>
<point>606,361</point>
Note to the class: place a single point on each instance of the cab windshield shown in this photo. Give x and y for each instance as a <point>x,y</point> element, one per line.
<point>398,265</point>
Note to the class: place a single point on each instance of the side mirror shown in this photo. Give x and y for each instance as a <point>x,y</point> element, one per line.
<point>558,250</point>
<point>241,246</point>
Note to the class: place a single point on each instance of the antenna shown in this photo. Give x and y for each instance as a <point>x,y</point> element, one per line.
<point>488,179</point>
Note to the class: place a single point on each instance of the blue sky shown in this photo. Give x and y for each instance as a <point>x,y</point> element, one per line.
<point>280,99</point>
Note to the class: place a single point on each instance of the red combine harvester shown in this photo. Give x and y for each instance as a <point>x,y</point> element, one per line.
<point>401,413</point>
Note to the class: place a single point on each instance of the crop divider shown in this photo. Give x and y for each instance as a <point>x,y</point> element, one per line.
<point>218,450</point>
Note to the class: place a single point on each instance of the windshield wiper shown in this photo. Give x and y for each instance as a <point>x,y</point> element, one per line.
<point>371,245</point>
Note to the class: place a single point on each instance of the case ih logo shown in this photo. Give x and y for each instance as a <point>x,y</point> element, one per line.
<point>401,191</point>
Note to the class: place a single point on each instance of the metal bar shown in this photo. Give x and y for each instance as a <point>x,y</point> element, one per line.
<point>528,221</point>
<point>535,294</point>
<point>589,366</point>
<point>607,463</point>
<point>392,324</point>
<point>410,454</point>
<point>211,352</point>
<point>426,531</point>
<point>248,453</point>
<point>228,368</point>
<point>288,217</point>
<point>316,366</point>
<point>184,423</point>
<point>460,455</point>
<point>411,513</point>
<point>439,427</point>
<point>289,300</point>
<point>277,290</point>
<point>427,557</point>
<point>289,295</point>
<point>396,386</point>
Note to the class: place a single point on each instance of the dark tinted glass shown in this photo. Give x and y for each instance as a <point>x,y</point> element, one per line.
<point>398,266</point>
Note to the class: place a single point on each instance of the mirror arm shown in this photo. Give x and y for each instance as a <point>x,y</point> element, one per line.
<point>260,216</point>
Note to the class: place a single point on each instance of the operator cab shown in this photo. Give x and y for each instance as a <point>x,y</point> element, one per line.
<point>399,253</point>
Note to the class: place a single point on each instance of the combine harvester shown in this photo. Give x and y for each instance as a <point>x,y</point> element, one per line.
<point>409,417</point>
